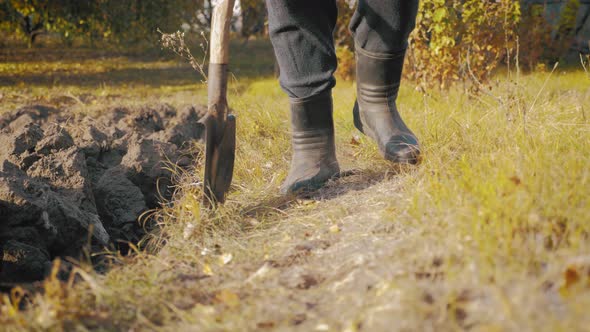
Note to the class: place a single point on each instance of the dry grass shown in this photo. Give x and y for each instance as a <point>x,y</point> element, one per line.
<point>489,233</point>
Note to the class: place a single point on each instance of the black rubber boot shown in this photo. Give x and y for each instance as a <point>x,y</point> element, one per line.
<point>314,152</point>
<point>375,113</point>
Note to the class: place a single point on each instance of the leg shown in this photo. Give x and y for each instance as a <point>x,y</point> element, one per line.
<point>381,30</point>
<point>382,26</point>
<point>301,34</point>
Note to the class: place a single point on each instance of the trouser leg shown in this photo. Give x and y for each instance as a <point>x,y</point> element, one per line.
<point>301,32</point>
<point>383,26</point>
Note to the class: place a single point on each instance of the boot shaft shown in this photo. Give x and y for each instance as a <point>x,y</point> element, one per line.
<point>314,152</point>
<point>378,75</point>
<point>312,124</point>
<point>312,113</point>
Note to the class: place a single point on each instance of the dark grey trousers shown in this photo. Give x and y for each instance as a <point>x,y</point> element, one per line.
<point>301,32</point>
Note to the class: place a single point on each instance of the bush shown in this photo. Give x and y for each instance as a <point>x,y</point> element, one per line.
<point>113,21</point>
<point>461,40</point>
<point>454,40</point>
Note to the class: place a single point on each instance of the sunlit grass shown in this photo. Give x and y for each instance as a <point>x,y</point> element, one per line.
<point>490,232</point>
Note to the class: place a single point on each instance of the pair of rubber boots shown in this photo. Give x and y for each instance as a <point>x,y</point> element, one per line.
<point>375,114</point>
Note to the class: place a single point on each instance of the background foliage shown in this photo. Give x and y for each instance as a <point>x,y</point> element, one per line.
<point>455,40</point>
<point>113,21</point>
<point>461,40</point>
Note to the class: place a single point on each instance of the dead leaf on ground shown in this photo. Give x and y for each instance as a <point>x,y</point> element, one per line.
<point>516,180</point>
<point>574,276</point>
<point>228,298</point>
<point>334,229</point>
<point>207,270</point>
<point>225,258</point>
<point>265,325</point>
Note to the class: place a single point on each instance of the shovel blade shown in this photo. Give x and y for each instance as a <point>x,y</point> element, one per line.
<point>219,159</point>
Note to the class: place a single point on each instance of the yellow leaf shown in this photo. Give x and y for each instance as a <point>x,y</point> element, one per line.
<point>228,298</point>
<point>334,229</point>
<point>207,270</point>
<point>225,258</point>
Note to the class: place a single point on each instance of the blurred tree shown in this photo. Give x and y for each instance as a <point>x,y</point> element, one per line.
<point>30,18</point>
<point>253,17</point>
<point>113,20</point>
<point>343,38</point>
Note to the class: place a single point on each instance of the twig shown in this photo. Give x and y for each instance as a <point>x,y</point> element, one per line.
<point>176,43</point>
<point>543,87</point>
<point>71,96</point>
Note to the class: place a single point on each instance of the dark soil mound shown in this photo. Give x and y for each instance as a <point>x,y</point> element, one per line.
<point>64,178</point>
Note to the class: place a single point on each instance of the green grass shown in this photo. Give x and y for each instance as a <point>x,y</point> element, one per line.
<point>489,233</point>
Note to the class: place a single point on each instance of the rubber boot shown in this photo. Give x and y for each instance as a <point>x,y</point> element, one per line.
<point>314,152</point>
<point>375,113</point>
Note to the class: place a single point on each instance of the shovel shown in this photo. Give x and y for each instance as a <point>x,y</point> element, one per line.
<point>220,126</point>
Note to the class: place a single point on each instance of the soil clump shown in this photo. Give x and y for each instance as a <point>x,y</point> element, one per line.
<point>75,183</point>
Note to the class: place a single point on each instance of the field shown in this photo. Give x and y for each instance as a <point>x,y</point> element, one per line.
<point>490,232</point>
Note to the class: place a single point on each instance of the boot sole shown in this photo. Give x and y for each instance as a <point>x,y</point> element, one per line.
<point>309,186</point>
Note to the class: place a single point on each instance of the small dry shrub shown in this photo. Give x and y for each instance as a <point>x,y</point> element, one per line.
<point>454,40</point>
<point>461,40</point>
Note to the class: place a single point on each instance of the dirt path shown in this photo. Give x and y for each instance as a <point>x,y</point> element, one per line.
<point>322,274</point>
<point>356,258</point>
<point>335,263</point>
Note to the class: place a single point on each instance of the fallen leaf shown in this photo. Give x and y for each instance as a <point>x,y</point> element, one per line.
<point>207,270</point>
<point>226,258</point>
<point>515,179</point>
<point>308,202</point>
<point>355,140</point>
<point>571,276</point>
<point>253,222</point>
<point>228,298</point>
<point>334,229</point>
<point>265,325</point>
<point>322,327</point>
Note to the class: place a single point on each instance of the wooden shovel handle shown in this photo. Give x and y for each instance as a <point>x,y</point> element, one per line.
<point>220,22</point>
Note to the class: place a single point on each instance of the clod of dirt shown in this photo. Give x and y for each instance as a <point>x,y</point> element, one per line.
<point>25,115</point>
<point>186,129</point>
<point>120,202</point>
<point>89,138</point>
<point>53,196</point>
<point>20,141</point>
<point>146,121</point>
<point>312,245</point>
<point>27,235</point>
<point>146,169</point>
<point>56,138</point>
<point>296,278</point>
<point>21,262</point>
<point>63,180</point>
